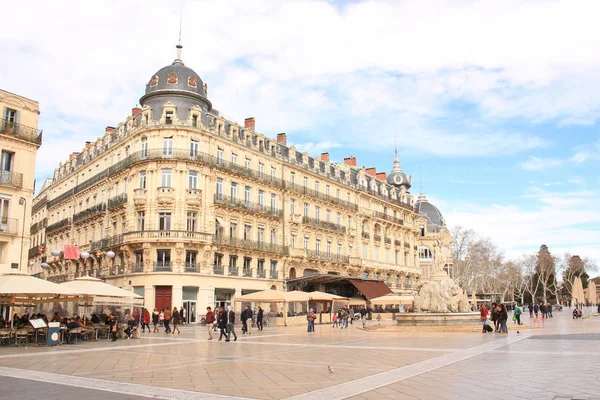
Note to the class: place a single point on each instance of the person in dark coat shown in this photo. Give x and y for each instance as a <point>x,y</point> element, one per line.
<point>259,318</point>
<point>230,317</point>
<point>222,323</point>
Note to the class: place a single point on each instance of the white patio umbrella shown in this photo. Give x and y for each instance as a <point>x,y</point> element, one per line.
<point>357,301</point>
<point>276,296</point>
<point>578,295</point>
<point>90,286</point>
<point>322,296</point>
<point>392,299</point>
<point>592,297</point>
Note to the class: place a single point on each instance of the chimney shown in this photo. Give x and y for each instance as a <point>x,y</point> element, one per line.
<point>135,111</point>
<point>109,129</point>
<point>382,176</point>
<point>351,161</point>
<point>73,155</point>
<point>282,138</point>
<point>87,145</point>
<point>324,156</point>
<point>371,171</point>
<point>250,123</point>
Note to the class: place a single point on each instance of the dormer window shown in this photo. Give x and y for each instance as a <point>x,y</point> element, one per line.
<point>169,117</point>
<point>195,120</point>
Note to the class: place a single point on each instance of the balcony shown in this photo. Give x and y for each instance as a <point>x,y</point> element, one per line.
<point>247,206</point>
<point>139,197</point>
<point>38,225</point>
<point>407,245</point>
<point>247,272</point>
<point>387,240</point>
<point>9,226</point>
<point>380,215</point>
<point>137,267</point>
<point>377,238</point>
<point>323,224</point>
<point>233,271</point>
<point>117,201</point>
<point>165,195</point>
<point>58,225</point>
<point>191,267</point>
<point>241,170</point>
<point>320,255</point>
<point>39,205</point>
<point>261,274</point>
<point>218,270</point>
<point>168,235</point>
<point>19,131</point>
<point>250,245</point>
<point>106,243</point>
<point>37,250</point>
<point>162,266</point>
<point>10,178</point>
<point>89,212</point>
<point>300,189</point>
<point>365,235</point>
<point>193,197</point>
<point>397,243</point>
<point>397,202</point>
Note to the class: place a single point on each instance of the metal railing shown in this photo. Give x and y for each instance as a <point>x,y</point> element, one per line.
<point>218,270</point>
<point>397,243</point>
<point>386,217</point>
<point>107,243</point>
<point>407,245</point>
<point>89,212</point>
<point>377,238</point>
<point>137,267</point>
<point>261,274</point>
<point>37,250</point>
<point>38,225</point>
<point>162,266</point>
<point>250,245</point>
<point>274,275</point>
<point>58,225</point>
<point>241,170</point>
<point>20,131</point>
<point>233,271</point>
<point>39,205</point>
<point>247,206</point>
<point>117,201</point>
<point>365,235</point>
<point>191,267</point>
<point>300,189</point>
<point>320,255</point>
<point>323,224</point>
<point>11,178</point>
<point>247,272</point>
<point>387,240</point>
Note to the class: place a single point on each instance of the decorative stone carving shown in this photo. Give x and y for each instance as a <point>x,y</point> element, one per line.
<point>441,295</point>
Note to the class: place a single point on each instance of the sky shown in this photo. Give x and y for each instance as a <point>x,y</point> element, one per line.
<point>494,105</point>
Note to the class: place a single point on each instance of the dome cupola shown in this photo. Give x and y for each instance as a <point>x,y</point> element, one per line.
<point>433,215</point>
<point>397,177</point>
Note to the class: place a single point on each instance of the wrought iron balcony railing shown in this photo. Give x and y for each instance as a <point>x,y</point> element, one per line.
<point>218,270</point>
<point>137,267</point>
<point>377,238</point>
<point>320,255</point>
<point>365,235</point>
<point>323,224</point>
<point>247,206</point>
<point>107,243</point>
<point>38,225</point>
<point>192,267</point>
<point>301,189</point>
<point>162,266</point>
<point>274,275</point>
<point>250,245</point>
<point>89,212</point>
<point>117,201</point>
<point>386,217</point>
<point>261,274</point>
<point>233,271</point>
<point>20,131</point>
<point>11,178</point>
<point>58,225</point>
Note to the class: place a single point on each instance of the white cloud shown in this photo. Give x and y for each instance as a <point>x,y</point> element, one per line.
<point>540,164</point>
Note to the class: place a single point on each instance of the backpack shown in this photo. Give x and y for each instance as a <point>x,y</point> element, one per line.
<point>488,328</point>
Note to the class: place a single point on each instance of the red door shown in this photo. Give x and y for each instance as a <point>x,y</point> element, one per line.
<point>162,297</point>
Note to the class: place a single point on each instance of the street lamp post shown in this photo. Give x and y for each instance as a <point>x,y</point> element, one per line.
<point>22,202</point>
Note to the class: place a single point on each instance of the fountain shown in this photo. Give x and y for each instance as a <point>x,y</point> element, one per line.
<point>442,305</point>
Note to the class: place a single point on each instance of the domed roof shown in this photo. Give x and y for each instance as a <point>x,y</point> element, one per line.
<point>429,211</point>
<point>397,177</point>
<point>176,79</point>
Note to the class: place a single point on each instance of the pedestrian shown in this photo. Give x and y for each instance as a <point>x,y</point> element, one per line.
<point>502,318</point>
<point>536,309</point>
<point>259,318</point>
<point>113,326</point>
<point>483,313</point>
<point>161,317</point>
<point>155,317</point>
<point>167,320</point>
<point>176,320</point>
<point>363,316</point>
<point>245,316</point>
<point>517,315</point>
<point>530,310</point>
<point>335,321</point>
<point>494,316</point>
<point>210,320</point>
<point>183,315</point>
<point>351,314</point>
<point>145,320</point>
<point>230,316</point>
<point>549,309</point>
<point>310,318</point>
<point>222,323</point>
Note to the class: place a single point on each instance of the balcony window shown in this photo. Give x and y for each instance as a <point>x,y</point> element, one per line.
<point>219,187</point>
<point>144,147</point>
<point>163,258</point>
<point>305,182</point>
<point>317,213</point>
<point>247,193</point>
<point>273,268</point>
<point>167,147</point>
<point>339,219</point>
<point>140,216</point>
<point>328,215</point>
<point>193,180</point>
<point>233,191</point>
<point>328,248</point>
<point>293,179</point>
<point>425,253</point>
<point>306,239</point>
<point>247,232</point>
<point>232,229</point>
<point>192,221</point>
<point>165,177</point>
<point>317,188</point>
<point>164,221</point>
<point>273,201</point>
<point>4,207</point>
<point>273,236</point>
<point>261,234</point>
<point>233,158</point>
<point>169,117</point>
<point>261,170</point>
<point>292,206</point>
<point>327,190</point>
<point>10,115</point>
<point>247,163</point>
<point>219,156</point>
<point>261,198</point>
<point>6,161</point>
<point>318,245</point>
<point>194,148</point>
<point>190,260</point>
<point>339,249</point>
<point>293,241</point>
<point>306,209</point>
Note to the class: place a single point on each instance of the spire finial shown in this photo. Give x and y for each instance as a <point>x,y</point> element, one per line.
<point>396,144</point>
<point>179,46</point>
<point>420,178</point>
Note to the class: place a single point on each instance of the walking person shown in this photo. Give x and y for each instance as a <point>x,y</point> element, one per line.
<point>155,317</point>
<point>259,318</point>
<point>335,321</point>
<point>176,319</point>
<point>222,323</point>
<point>161,317</point>
<point>145,320</point>
<point>530,310</point>
<point>210,320</point>
<point>494,316</point>
<point>502,318</point>
<point>248,314</point>
<point>183,315</point>
<point>351,314</point>
<point>483,313</point>
<point>363,316</point>
<point>167,320</point>
<point>230,317</point>
<point>310,318</point>
<point>517,314</point>
<point>536,309</point>
<point>549,310</point>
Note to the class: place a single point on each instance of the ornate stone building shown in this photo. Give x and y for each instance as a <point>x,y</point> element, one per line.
<point>197,209</point>
<point>19,142</point>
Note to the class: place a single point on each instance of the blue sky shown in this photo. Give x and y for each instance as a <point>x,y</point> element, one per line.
<point>496,102</point>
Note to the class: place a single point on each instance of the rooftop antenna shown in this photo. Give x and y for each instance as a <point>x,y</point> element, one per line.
<point>179,46</point>
<point>420,178</point>
<point>396,144</point>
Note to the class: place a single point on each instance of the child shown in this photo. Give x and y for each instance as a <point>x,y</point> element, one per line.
<point>335,321</point>
<point>378,319</point>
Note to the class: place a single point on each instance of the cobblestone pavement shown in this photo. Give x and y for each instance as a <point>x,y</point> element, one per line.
<point>558,361</point>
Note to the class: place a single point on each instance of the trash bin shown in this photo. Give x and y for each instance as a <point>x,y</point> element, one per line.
<point>53,334</point>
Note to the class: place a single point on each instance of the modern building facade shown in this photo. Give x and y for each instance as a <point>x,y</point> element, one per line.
<point>195,209</point>
<point>20,140</point>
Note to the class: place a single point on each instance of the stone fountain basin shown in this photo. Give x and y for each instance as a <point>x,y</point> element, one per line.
<point>438,319</point>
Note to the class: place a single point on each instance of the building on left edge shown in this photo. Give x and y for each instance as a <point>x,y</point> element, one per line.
<point>20,140</point>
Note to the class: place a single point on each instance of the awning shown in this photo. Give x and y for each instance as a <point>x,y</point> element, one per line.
<point>391,299</point>
<point>371,289</point>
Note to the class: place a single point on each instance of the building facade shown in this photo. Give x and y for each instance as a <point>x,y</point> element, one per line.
<point>19,142</point>
<point>197,209</point>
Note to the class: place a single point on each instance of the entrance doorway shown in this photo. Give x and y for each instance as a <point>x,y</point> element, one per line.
<point>162,297</point>
<point>190,311</point>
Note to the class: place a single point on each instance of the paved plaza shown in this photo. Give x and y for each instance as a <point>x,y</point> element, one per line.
<point>559,361</point>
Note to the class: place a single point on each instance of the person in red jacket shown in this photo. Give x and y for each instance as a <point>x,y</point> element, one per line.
<point>145,320</point>
<point>483,311</point>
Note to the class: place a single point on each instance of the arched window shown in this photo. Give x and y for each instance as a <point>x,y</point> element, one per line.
<point>292,273</point>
